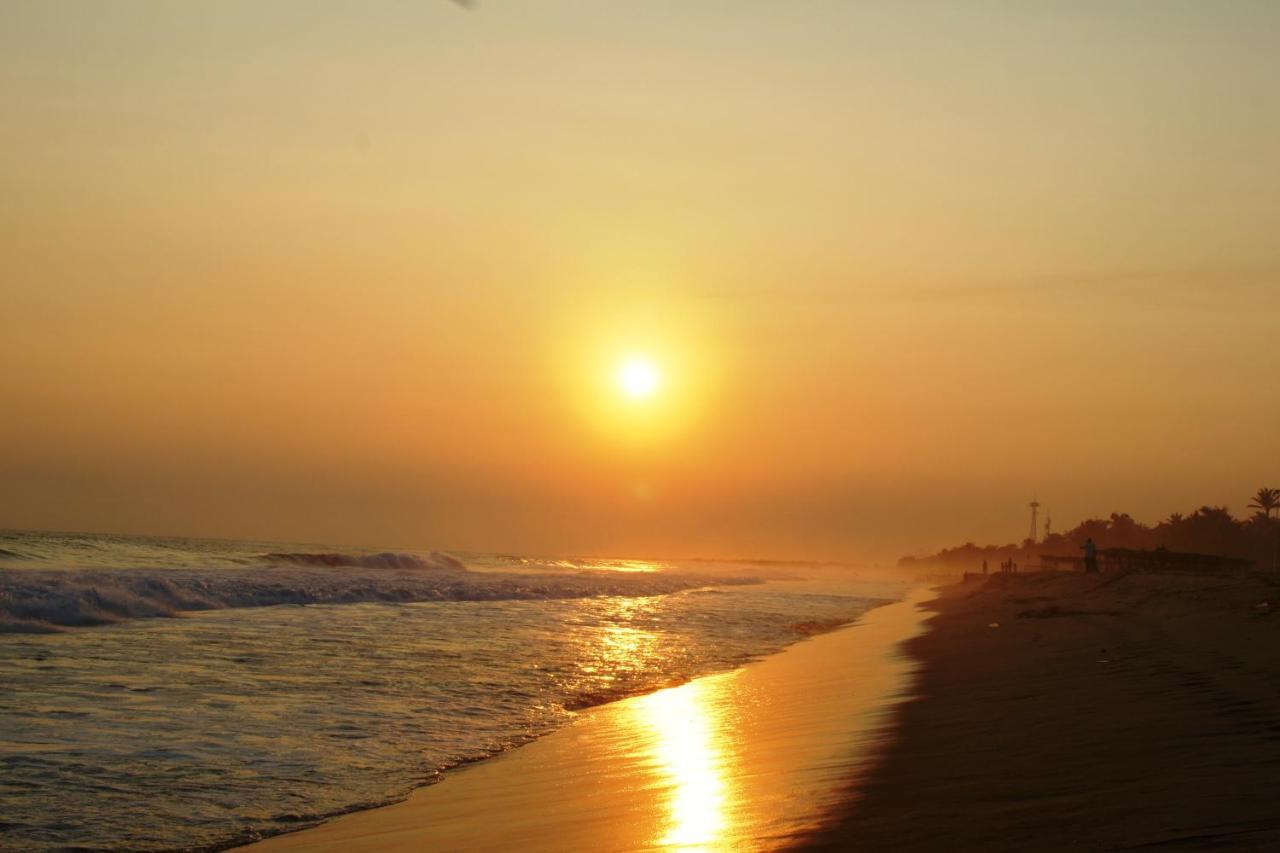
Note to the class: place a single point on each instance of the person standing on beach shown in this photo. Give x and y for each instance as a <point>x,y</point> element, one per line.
<point>1090,555</point>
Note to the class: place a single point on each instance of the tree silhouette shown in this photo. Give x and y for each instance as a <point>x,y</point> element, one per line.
<point>1266,500</point>
<point>1209,530</point>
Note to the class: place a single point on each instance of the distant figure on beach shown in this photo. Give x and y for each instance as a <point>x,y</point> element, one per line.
<point>984,567</point>
<point>1090,555</point>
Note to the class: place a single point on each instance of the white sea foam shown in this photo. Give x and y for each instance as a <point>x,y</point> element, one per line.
<point>247,719</point>
<point>45,600</point>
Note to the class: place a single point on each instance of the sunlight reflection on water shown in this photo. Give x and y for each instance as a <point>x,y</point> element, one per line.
<point>686,748</point>
<point>747,760</point>
<point>630,566</point>
<point>271,713</point>
<point>681,732</point>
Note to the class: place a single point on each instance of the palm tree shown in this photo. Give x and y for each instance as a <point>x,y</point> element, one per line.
<point>1266,500</point>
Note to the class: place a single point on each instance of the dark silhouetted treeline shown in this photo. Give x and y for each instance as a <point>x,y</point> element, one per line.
<point>1208,530</point>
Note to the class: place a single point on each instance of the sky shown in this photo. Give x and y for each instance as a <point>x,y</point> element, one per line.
<point>365,273</point>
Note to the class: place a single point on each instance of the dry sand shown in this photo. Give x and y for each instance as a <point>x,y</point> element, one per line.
<point>1084,712</point>
<point>744,760</point>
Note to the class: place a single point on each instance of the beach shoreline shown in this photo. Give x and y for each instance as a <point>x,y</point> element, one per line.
<point>753,758</point>
<point>1082,712</point>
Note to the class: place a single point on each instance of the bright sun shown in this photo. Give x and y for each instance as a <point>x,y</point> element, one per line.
<point>638,378</point>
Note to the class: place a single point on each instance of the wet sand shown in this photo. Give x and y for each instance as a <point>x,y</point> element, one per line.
<point>1084,712</point>
<point>744,760</point>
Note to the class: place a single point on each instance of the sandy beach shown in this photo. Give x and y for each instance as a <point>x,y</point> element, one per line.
<point>1049,711</point>
<point>474,425</point>
<point>750,759</point>
<point>1084,712</point>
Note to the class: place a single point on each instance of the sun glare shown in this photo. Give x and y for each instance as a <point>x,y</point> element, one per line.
<point>687,727</point>
<point>638,378</point>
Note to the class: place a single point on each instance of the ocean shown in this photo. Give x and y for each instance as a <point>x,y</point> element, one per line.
<point>180,694</point>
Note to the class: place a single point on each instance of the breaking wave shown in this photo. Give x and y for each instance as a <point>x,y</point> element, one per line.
<point>385,560</point>
<point>41,601</point>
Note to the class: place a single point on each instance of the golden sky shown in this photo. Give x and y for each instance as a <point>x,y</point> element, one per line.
<point>364,273</point>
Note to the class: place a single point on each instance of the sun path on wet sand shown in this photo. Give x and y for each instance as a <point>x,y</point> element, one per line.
<point>749,759</point>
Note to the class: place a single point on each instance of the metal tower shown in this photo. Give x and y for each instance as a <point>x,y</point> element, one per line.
<point>1035,508</point>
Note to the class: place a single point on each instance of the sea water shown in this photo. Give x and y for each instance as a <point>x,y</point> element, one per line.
<point>197,694</point>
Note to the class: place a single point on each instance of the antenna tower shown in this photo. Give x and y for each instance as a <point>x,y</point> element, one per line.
<point>1035,508</point>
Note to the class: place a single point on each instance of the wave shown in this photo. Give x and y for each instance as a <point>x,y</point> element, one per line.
<point>51,600</point>
<point>814,627</point>
<point>385,560</point>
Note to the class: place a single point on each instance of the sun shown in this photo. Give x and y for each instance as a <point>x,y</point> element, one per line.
<point>638,378</point>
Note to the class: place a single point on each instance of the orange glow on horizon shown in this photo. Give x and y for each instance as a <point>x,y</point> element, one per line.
<point>382,294</point>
